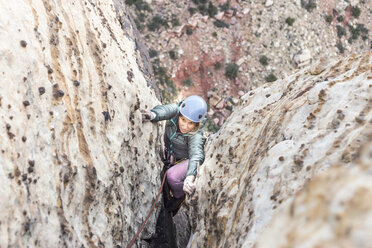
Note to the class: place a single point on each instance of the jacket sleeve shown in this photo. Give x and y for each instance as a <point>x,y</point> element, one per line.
<point>165,112</point>
<point>196,152</point>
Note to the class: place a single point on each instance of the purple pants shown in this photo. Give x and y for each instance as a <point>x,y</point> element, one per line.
<point>175,177</point>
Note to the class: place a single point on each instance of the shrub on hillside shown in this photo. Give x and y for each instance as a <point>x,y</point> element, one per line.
<point>355,11</point>
<point>231,70</point>
<point>271,78</point>
<point>289,21</point>
<point>264,60</point>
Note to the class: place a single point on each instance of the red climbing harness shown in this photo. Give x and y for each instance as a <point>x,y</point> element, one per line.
<point>148,216</point>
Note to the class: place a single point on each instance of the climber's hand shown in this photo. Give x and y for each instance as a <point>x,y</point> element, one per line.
<point>147,115</point>
<point>188,185</point>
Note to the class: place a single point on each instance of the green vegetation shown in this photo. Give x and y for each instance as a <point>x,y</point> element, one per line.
<point>289,21</point>
<point>355,32</point>
<point>214,34</point>
<point>156,23</point>
<point>173,55</point>
<point>210,126</point>
<point>309,5</point>
<point>340,47</point>
<point>217,66</point>
<point>175,22</point>
<point>189,31</point>
<point>139,4</point>
<point>271,78</point>
<point>340,18</point>
<point>192,10</point>
<point>340,31</point>
<point>153,53</point>
<point>139,25</point>
<point>355,11</point>
<point>264,60</point>
<point>221,24</point>
<point>203,9</point>
<point>329,19</point>
<point>188,82</point>
<point>166,85</point>
<point>212,10</point>
<point>225,6</point>
<point>231,70</point>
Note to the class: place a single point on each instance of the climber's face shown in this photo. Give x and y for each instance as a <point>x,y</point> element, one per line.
<point>185,125</point>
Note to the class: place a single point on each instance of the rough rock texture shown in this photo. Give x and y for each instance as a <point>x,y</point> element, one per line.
<point>282,136</point>
<point>334,210</point>
<point>78,168</point>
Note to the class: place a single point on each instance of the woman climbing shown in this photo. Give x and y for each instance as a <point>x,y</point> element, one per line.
<point>184,143</point>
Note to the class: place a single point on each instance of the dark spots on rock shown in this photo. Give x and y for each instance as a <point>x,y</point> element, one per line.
<point>23,43</point>
<point>231,151</point>
<point>130,76</point>
<point>24,79</point>
<point>35,181</point>
<point>11,135</point>
<point>268,95</point>
<point>11,176</point>
<point>26,103</point>
<point>9,106</point>
<point>107,116</point>
<point>17,172</point>
<point>281,158</point>
<point>8,127</point>
<point>63,229</point>
<point>218,156</point>
<point>251,93</point>
<point>104,45</point>
<point>311,117</point>
<point>76,83</point>
<point>131,117</point>
<point>26,226</point>
<point>24,177</point>
<point>109,87</point>
<point>298,161</point>
<point>28,116</point>
<point>340,114</point>
<point>49,69</point>
<point>322,94</point>
<point>51,113</point>
<point>24,139</point>
<point>41,90</point>
<point>121,169</point>
<point>308,168</point>
<point>31,163</point>
<point>24,213</point>
<point>335,123</point>
<point>66,178</point>
<point>94,171</point>
<point>359,119</point>
<point>30,169</point>
<point>57,93</point>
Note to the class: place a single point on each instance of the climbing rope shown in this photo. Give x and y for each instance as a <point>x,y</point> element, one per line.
<point>148,215</point>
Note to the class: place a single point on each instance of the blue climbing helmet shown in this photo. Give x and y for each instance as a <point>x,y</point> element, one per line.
<point>194,108</point>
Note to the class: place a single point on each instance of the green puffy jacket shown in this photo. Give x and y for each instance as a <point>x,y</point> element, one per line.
<point>189,145</point>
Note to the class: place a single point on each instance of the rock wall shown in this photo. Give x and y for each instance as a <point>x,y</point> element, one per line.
<point>282,136</point>
<point>78,168</point>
